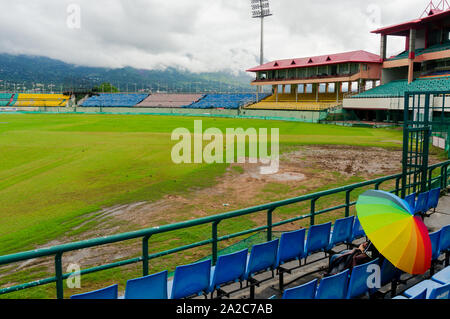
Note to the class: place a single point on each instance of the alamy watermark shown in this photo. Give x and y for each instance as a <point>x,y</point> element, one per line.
<point>228,148</point>
<point>73,20</point>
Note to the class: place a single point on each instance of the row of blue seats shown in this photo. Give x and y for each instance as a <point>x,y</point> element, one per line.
<point>424,202</point>
<point>438,287</point>
<point>203,278</point>
<point>114,100</point>
<point>353,284</point>
<point>226,101</point>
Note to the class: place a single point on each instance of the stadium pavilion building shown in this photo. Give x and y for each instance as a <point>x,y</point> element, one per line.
<point>316,83</point>
<point>424,65</point>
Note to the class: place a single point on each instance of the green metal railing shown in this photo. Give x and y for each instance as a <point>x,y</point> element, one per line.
<point>214,221</point>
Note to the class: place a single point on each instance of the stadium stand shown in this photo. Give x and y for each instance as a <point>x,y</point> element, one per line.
<point>33,100</point>
<point>114,100</point>
<point>418,52</point>
<point>226,101</point>
<point>202,278</point>
<point>170,100</point>
<point>301,102</point>
<point>399,87</point>
<point>7,99</point>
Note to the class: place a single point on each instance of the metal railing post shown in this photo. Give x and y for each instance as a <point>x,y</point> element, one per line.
<point>214,243</point>
<point>347,203</point>
<point>145,255</point>
<point>269,224</point>
<point>313,211</point>
<point>397,186</point>
<point>59,276</point>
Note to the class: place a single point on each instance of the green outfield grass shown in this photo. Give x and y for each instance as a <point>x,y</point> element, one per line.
<point>56,168</point>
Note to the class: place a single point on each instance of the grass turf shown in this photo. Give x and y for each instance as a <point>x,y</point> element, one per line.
<point>56,168</point>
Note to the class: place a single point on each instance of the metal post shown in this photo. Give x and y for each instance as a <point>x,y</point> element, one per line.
<point>269,224</point>
<point>214,243</point>
<point>59,276</point>
<point>145,255</point>
<point>347,203</point>
<point>313,211</point>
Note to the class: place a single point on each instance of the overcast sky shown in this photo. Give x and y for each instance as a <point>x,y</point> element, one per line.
<point>199,35</point>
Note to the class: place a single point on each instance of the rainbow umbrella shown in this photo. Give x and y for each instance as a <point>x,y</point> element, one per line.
<point>398,235</point>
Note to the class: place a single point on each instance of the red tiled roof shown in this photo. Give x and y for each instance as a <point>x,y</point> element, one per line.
<point>400,29</point>
<point>347,57</point>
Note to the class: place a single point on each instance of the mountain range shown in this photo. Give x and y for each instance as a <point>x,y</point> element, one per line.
<point>43,74</point>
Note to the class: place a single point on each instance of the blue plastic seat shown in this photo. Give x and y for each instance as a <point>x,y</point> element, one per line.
<point>444,241</point>
<point>306,291</point>
<point>411,200</point>
<point>262,257</point>
<point>229,268</point>
<point>110,292</point>
<point>358,280</point>
<point>443,277</point>
<point>442,292</point>
<point>333,287</point>
<point>429,285</point>
<point>421,295</point>
<point>292,246</point>
<point>318,238</point>
<point>148,287</point>
<point>421,203</point>
<point>435,244</point>
<point>433,199</point>
<point>342,232</point>
<point>357,231</point>
<point>190,280</point>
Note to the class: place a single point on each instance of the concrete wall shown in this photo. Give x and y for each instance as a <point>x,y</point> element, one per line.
<point>284,115</point>
<point>390,103</point>
<point>399,73</point>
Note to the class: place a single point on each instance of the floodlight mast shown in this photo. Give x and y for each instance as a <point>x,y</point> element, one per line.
<point>260,10</point>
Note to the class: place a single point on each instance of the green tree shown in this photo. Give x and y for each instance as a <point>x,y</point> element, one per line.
<point>106,88</point>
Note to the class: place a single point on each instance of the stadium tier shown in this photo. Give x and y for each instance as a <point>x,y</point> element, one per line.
<point>418,52</point>
<point>399,87</point>
<point>170,100</point>
<point>301,102</point>
<point>114,100</point>
<point>226,101</point>
<point>33,100</point>
<point>7,99</point>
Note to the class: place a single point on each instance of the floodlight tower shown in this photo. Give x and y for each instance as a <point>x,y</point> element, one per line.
<point>260,10</point>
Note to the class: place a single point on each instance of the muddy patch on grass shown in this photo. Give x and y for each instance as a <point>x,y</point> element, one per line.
<point>301,171</point>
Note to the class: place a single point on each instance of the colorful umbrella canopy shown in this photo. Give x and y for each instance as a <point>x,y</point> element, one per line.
<point>398,235</point>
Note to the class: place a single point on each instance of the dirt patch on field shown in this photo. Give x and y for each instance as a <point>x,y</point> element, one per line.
<point>301,171</point>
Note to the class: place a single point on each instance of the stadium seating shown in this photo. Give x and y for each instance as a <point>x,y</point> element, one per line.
<point>444,243</point>
<point>110,292</point>
<point>226,101</point>
<point>306,291</point>
<point>421,203</point>
<point>333,287</point>
<point>358,280</point>
<point>201,277</point>
<point>443,276</point>
<point>418,52</point>
<point>190,280</point>
<point>292,247</point>
<point>148,287</point>
<point>318,239</point>
<point>228,269</point>
<point>114,100</point>
<point>33,100</point>
<point>301,102</point>
<point>421,295</point>
<point>433,199</point>
<point>357,230</point>
<point>263,257</point>
<point>342,232</point>
<point>411,200</point>
<point>399,87</point>
<point>170,100</point>
<point>8,99</point>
